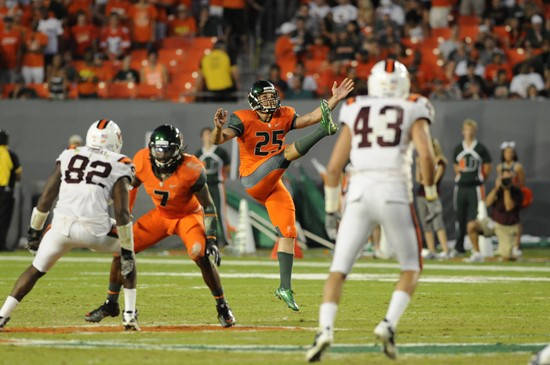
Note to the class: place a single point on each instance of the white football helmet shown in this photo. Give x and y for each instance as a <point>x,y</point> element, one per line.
<point>390,79</point>
<point>104,133</point>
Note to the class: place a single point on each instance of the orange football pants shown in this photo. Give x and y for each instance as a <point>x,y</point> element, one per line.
<point>152,227</point>
<point>272,193</point>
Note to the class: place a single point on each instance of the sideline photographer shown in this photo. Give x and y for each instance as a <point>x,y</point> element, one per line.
<point>505,200</point>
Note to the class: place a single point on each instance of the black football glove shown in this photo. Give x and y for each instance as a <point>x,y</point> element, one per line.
<point>332,220</point>
<point>33,240</point>
<point>212,250</point>
<point>434,209</point>
<point>127,262</point>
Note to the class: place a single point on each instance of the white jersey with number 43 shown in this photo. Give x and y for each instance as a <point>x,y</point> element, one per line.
<point>87,179</point>
<point>381,139</point>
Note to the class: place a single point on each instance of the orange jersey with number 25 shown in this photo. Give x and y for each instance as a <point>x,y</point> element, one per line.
<point>173,197</point>
<point>260,140</point>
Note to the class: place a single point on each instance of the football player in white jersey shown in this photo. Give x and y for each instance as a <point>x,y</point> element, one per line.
<point>85,179</point>
<point>378,134</point>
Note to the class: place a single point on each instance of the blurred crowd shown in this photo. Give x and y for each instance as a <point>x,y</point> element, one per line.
<point>454,49</point>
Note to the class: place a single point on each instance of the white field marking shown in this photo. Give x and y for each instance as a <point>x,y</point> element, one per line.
<point>353,277</point>
<point>453,347</point>
<point>271,263</point>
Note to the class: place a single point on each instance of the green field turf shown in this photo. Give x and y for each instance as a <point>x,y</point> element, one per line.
<point>491,313</point>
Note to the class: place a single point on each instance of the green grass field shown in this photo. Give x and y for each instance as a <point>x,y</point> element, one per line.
<point>491,313</point>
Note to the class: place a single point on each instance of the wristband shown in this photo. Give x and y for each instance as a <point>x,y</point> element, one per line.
<point>431,192</point>
<point>38,219</point>
<point>332,198</point>
<point>126,236</point>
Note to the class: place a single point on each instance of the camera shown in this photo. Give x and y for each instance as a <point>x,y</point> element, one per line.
<point>506,182</point>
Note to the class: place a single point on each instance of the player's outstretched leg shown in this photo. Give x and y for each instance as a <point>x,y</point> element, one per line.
<point>22,287</point>
<point>302,146</point>
<point>385,330</point>
<point>212,280</point>
<point>110,308</point>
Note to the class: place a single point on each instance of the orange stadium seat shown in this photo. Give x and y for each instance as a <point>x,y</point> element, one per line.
<point>174,42</point>
<point>503,34</point>
<point>41,90</point>
<point>314,66</point>
<point>204,42</point>
<point>122,90</point>
<point>444,33</point>
<point>468,32</point>
<point>467,20</point>
<point>152,92</point>
<point>103,90</point>
<point>515,56</point>
<point>6,90</point>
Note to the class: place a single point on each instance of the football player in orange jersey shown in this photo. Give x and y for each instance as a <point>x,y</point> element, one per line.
<point>264,158</point>
<point>176,182</point>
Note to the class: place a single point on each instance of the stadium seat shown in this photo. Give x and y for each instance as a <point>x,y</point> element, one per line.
<point>41,90</point>
<point>179,92</point>
<point>314,66</point>
<point>122,90</point>
<point>174,43</point>
<point>468,32</point>
<point>103,90</point>
<point>467,20</point>
<point>515,56</point>
<point>152,92</point>
<point>204,42</point>
<point>503,33</point>
<point>6,90</point>
<point>444,33</point>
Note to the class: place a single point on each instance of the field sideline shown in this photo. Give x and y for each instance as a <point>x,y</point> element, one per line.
<point>493,313</point>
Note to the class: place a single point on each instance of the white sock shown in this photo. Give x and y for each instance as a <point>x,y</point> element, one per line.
<point>327,315</point>
<point>399,302</point>
<point>130,300</point>
<point>9,306</point>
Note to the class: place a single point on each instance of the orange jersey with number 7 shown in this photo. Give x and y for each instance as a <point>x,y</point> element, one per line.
<point>174,197</point>
<point>259,140</point>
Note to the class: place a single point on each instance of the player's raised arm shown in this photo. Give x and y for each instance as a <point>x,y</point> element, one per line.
<point>220,134</point>
<point>338,93</point>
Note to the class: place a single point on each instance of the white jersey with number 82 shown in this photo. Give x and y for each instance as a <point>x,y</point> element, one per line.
<point>87,179</point>
<point>380,128</point>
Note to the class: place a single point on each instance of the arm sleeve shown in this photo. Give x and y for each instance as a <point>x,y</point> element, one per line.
<point>485,156</point>
<point>224,156</point>
<point>199,183</point>
<point>236,124</point>
<point>455,153</point>
<point>15,161</point>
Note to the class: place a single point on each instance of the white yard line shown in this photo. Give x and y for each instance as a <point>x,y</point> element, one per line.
<point>353,277</point>
<point>271,263</point>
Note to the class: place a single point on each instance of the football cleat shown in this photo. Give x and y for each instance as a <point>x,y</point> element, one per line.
<point>130,321</point>
<point>541,358</point>
<point>3,322</point>
<point>323,340</point>
<point>107,309</point>
<point>225,315</point>
<point>287,295</point>
<point>326,119</point>
<point>385,333</point>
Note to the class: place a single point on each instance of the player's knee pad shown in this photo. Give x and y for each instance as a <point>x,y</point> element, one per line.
<point>196,251</point>
<point>288,232</point>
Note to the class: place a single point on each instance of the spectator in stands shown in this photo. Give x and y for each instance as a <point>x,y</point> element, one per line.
<point>209,25</point>
<point>536,34</point>
<point>465,82</point>
<point>83,36</point>
<point>474,91</point>
<point>344,13</point>
<point>296,91</point>
<point>472,7</point>
<point>143,17</point>
<point>10,51</point>
<point>318,10</point>
<point>52,27</point>
<point>56,79</point>
<point>501,89</point>
<point>89,76</point>
<point>307,82</point>
<point>524,79</point>
<point>275,79</point>
<point>33,56</point>
<point>505,198</point>
<point>120,7</point>
<point>439,13</point>
<point>234,18</point>
<point>448,46</point>
<point>154,73</point>
<point>184,24</point>
<point>75,141</point>
<point>301,37</point>
<point>115,39</point>
<point>218,75</point>
<point>533,93</point>
<point>21,90</point>
<point>70,71</point>
<point>127,73</point>
<point>345,47</point>
<point>440,92</point>
<point>436,224</point>
<point>497,64</point>
<point>10,172</point>
<point>497,12</point>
